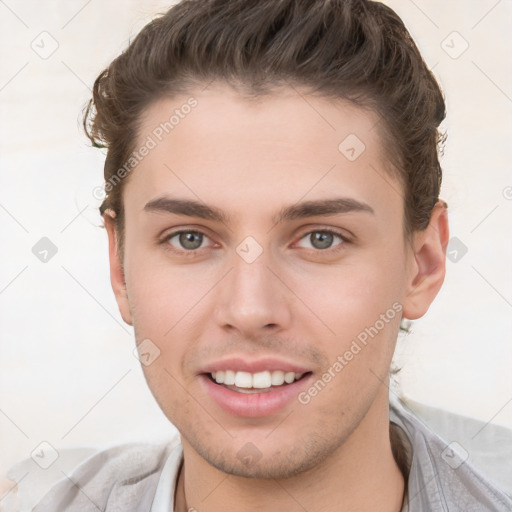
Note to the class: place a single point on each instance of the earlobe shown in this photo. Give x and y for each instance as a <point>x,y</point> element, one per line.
<point>429,266</point>
<point>117,277</point>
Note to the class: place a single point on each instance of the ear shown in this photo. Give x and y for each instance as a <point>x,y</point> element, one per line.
<point>428,267</point>
<point>117,278</point>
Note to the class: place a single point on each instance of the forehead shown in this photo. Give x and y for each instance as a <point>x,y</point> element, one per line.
<point>287,118</point>
<point>219,145</point>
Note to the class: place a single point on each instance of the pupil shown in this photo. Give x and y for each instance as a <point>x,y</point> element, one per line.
<point>191,240</point>
<point>321,240</point>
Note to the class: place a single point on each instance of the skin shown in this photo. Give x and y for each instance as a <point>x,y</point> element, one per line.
<point>297,302</point>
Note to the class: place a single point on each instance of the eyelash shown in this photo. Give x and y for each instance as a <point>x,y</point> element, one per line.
<point>194,252</point>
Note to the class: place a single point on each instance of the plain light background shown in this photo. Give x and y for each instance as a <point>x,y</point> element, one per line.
<point>68,375</point>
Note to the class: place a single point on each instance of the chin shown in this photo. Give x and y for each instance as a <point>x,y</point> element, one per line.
<point>250,462</point>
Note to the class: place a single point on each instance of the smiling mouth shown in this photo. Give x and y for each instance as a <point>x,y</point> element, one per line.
<point>261,382</point>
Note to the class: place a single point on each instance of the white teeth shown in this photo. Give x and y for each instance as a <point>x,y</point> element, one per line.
<point>229,378</point>
<point>243,380</point>
<point>260,380</point>
<point>277,378</point>
<point>289,377</point>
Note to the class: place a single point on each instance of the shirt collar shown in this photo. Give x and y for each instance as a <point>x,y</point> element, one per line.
<point>166,488</point>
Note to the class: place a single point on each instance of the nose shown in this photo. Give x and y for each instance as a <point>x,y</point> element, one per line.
<point>252,300</point>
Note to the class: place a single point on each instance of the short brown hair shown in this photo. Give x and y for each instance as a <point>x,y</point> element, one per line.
<point>359,50</point>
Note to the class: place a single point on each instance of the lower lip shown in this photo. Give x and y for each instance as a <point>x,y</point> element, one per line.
<point>253,405</point>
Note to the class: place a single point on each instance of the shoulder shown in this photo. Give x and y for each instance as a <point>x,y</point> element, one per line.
<point>121,477</point>
<point>443,474</point>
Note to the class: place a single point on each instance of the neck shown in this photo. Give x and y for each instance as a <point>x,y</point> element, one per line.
<point>362,474</point>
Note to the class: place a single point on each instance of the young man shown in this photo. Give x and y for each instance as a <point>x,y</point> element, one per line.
<point>273,214</point>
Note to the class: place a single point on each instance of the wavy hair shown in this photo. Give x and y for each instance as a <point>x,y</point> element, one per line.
<point>358,50</point>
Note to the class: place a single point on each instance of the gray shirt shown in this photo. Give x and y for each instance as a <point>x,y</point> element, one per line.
<point>142,477</point>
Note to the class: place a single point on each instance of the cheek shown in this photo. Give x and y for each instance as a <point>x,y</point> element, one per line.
<point>358,309</point>
<point>170,306</point>
<point>161,295</point>
<point>351,297</point>
<point>363,311</point>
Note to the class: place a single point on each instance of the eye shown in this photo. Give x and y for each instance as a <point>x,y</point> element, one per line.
<point>321,239</point>
<point>186,240</point>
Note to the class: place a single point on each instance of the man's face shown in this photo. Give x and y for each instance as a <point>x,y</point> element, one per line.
<point>279,283</point>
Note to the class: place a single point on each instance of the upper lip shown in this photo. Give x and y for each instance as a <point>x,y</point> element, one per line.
<point>253,366</point>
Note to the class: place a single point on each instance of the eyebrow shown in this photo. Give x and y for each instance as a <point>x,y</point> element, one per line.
<point>321,207</point>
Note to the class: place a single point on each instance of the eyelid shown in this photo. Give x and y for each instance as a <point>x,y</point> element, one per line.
<point>329,250</point>
<point>346,237</point>
<point>191,229</point>
<point>165,239</point>
<point>185,229</point>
